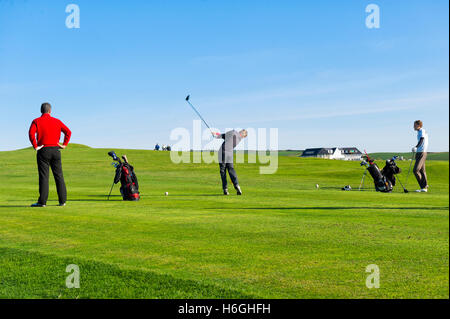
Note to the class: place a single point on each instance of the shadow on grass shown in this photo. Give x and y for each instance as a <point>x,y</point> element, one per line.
<point>198,195</point>
<point>353,190</point>
<point>28,206</point>
<point>372,190</point>
<point>333,208</point>
<point>105,196</point>
<point>15,206</point>
<point>172,195</point>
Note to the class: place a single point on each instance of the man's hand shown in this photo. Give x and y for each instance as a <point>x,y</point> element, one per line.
<point>62,146</point>
<point>215,134</point>
<point>39,147</point>
<point>414,149</point>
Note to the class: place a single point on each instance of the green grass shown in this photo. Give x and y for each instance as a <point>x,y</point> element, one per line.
<point>290,153</point>
<point>440,156</point>
<point>282,239</point>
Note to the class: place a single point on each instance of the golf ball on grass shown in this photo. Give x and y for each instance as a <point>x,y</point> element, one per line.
<point>317,186</point>
<point>166,193</point>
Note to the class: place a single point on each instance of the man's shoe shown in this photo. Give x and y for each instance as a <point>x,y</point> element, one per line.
<point>62,204</point>
<point>424,190</point>
<point>37,205</point>
<point>225,192</point>
<point>238,190</point>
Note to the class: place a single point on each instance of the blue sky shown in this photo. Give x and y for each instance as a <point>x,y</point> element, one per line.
<point>312,69</point>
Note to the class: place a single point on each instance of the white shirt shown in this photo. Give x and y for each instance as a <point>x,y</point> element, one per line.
<point>424,147</point>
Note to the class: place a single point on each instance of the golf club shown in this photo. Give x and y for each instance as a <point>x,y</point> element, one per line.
<point>409,171</point>
<point>404,189</point>
<point>195,110</point>
<point>125,159</point>
<point>114,156</point>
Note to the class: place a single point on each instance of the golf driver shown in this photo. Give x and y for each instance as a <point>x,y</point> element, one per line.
<point>195,110</point>
<point>409,171</point>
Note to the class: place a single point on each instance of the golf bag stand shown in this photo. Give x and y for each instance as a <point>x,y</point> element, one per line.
<point>110,191</point>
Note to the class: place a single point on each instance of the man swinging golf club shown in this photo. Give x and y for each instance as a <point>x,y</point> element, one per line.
<point>421,155</point>
<point>231,140</point>
<point>44,134</point>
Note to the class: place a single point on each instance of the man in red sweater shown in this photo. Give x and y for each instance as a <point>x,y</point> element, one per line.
<point>45,132</point>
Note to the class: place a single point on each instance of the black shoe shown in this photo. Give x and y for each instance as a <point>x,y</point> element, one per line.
<point>225,192</point>
<point>37,205</point>
<point>62,204</point>
<point>238,190</point>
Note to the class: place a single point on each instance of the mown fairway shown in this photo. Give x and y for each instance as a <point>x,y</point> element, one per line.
<point>282,239</point>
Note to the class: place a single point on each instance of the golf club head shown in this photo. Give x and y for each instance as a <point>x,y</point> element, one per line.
<point>187,97</point>
<point>113,155</point>
<point>125,159</point>
<point>406,191</point>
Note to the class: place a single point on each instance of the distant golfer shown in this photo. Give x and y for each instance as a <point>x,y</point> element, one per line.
<point>226,152</point>
<point>45,132</point>
<point>421,155</point>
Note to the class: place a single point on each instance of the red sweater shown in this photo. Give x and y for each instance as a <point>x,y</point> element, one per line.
<point>48,130</point>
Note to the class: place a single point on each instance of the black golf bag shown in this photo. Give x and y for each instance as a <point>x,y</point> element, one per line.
<point>129,186</point>
<point>384,179</point>
<point>390,170</point>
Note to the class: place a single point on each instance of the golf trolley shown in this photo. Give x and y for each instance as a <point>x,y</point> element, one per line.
<point>384,179</point>
<point>129,188</point>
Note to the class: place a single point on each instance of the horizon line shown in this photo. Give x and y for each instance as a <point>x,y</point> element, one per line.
<point>198,150</point>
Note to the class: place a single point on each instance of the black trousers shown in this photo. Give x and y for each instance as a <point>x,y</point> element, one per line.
<point>224,167</point>
<point>50,157</point>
